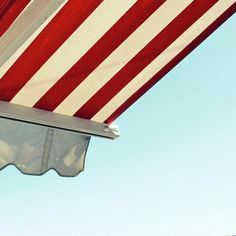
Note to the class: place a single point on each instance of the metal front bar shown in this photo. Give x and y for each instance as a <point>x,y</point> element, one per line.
<point>55,120</point>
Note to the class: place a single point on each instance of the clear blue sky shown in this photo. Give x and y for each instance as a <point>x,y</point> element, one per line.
<point>171,173</point>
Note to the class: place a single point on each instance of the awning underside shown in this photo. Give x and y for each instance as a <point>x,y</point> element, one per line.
<point>92,58</point>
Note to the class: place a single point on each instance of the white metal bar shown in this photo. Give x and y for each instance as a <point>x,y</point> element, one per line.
<point>55,120</point>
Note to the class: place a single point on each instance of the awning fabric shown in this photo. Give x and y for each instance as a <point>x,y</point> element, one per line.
<point>35,149</point>
<point>92,58</point>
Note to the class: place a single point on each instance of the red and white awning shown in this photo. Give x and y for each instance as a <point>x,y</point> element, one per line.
<point>93,58</point>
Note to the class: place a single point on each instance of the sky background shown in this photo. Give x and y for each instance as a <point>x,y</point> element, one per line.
<point>171,173</point>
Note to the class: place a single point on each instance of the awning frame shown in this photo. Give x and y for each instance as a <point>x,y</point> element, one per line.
<point>59,121</point>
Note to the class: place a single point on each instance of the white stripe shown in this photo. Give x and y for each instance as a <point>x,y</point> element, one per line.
<point>24,10</point>
<point>166,56</point>
<point>91,30</point>
<point>6,66</point>
<point>121,56</point>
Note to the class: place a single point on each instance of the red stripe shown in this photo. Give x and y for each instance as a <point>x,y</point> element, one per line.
<point>9,11</point>
<point>48,41</point>
<point>180,24</point>
<point>219,21</point>
<point>127,24</point>
<point>4,6</point>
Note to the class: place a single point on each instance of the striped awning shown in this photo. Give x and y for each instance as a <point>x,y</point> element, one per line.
<point>92,58</point>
